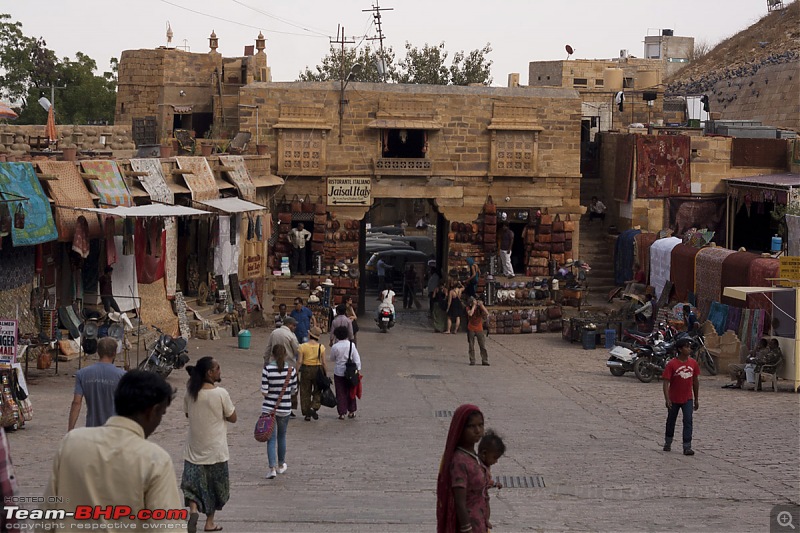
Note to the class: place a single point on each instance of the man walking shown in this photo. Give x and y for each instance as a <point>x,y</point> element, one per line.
<point>305,320</point>
<point>284,335</point>
<point>97,384</point>
<point>476,312</point>
<point>205,482</point>
<point>506,242</point>
<point>681,384</point>
<point>115,465</point>
<point>298,237</point>
<point>381,267</point>
<point>409,286</point>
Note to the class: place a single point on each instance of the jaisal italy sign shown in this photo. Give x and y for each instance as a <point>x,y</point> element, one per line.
<point>349,191</point>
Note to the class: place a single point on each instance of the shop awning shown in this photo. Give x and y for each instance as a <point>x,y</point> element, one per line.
<point>785,181</point>
<point>741,293</point>
<point>266,181</point>
<point>150,210</point>
<point>232,205</point>
<point>404,124</point>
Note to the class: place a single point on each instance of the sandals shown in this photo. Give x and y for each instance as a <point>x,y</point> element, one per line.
<point>192,526</point>
<point>351,415</point>
<point>341,417</point>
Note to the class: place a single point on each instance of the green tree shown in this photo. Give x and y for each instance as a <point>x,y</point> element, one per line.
<point>28,67</point>
<point>335,66</point>
<point>473,68</point>
<point>426,65</point>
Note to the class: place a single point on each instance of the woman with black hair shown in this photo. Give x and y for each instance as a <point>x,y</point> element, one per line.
<point>205,482</point>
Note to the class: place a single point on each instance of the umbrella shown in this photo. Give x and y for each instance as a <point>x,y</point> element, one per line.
<point>7,112</point>
<point>50,129</point>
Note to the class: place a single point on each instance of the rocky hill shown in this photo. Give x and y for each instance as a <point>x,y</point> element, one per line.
<point>752,75</point>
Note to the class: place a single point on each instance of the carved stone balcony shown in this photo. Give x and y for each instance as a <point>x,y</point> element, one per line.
<point>394,166</point>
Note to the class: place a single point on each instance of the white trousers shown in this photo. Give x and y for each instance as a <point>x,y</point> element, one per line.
<point>505,260</point>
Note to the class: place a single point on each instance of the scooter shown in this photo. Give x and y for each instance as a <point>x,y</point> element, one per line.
<point>621,360</point>
<point>385,318</point>
<point>167,353</point>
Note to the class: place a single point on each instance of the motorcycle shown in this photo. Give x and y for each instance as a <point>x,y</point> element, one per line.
<point>702,355</point>
<point>385,319</point>
<point>167,353</point>
<point>621,360</point>
<point>622,357</point>
<point>652,359</point>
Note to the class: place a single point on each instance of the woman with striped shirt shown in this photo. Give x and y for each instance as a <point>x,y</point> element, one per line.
<point>273,378</point>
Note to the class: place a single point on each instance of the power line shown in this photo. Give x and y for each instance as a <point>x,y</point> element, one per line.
<point>285,21</point>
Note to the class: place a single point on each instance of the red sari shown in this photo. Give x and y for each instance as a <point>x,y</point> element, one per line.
<point>446,520</point>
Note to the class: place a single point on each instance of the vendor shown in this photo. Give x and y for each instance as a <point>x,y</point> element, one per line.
<point>646,313</point>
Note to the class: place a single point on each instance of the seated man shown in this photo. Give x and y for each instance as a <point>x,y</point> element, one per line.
<point>637,284</point>
<point>765,354</point>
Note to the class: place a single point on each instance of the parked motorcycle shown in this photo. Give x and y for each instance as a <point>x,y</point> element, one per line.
<point>385,319</point>
<point>651,360</point>
<point>167,353</point>
<point>622,357</point>
<point>621,360</point>
<point>701,354</point>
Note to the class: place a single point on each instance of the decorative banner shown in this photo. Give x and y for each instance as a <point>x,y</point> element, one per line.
<point>8,341</point>
<point>349,191</point>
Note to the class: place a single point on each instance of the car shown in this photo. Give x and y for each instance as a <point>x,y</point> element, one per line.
<point>381,246</point>
<point>388,230</point>
<point>398,258</point>
<point>419,242</point>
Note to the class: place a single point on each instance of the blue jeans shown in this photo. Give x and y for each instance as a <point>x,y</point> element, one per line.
<point>672,417</point>
<point>278,439</point>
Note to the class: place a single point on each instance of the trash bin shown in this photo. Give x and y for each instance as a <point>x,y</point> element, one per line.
<point>589,339</point>
<point>611,338</point>
<point>244,339</point>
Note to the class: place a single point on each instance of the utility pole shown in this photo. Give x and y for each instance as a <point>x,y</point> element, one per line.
<point>52,92</point>
<point>341,39</point>
<point>376,10</point>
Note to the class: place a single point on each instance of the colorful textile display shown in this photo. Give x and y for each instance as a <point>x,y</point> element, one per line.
<point>718,316</point>
<point>18,181</point>
<point>761,269</point>
<point>67,191</point>
<point>641,245</point>
<point>226,255</point>
<point>660,262</point>
<point>201,181</point>
<point>154,183</point>
<point>109,185</point>
<point>706,213</point>
<point>708,278</point>
<point>623,171</point>
<point>149,266</point>
<point>752,327</point>
<point>171,260</point>
<point>157,309</point>
<point>239,176</point>
<point>682,271</point>
<point>736,273</point>
<point>123,279</point>
<point>623,256</point>
<point>734,318</point>
<point>250,294</point>
<point>662,166</point>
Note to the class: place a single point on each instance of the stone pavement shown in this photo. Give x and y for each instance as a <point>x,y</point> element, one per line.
<point>596,440</point>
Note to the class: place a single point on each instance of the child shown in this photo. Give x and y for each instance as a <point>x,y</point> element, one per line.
<point>490,449</point>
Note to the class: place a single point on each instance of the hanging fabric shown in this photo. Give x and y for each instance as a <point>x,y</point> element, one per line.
<point>234,228</point>
<point>80,239</point>
<point>251,229</point>
<point>111,249</point>
<point>259,229</point>
<point>128,229</point>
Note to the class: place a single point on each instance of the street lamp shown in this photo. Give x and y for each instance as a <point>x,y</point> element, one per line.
<point>354,71</point>
<point>256,108</point>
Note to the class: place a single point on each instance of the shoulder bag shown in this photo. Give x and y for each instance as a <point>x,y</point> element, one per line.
<point>351,369</point>
<point>265,424</point>
<point>322,380</point>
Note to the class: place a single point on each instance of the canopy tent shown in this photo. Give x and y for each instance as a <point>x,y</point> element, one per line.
<point>232,205</point>
<point>150,210</point>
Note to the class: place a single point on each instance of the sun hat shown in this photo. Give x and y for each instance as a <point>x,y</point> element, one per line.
<point>315,333</point>
<point>328,283</point>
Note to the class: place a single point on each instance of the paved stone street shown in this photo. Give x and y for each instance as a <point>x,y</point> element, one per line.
<point>594,438</point>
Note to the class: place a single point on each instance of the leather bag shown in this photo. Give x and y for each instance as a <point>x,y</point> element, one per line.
<point>296,206</point>
<point>307,206</point>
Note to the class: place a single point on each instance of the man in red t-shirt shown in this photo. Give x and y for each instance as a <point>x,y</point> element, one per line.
<point>681,384</point>
<point>476,312</point>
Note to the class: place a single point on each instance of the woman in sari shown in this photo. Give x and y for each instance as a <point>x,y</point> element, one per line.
<point>461,503</point>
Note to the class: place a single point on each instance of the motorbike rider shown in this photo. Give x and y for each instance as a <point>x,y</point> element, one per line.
<point>387,302</point>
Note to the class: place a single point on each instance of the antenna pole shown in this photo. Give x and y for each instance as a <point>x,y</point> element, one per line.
<point>376,10</point>
<point>341,39</point>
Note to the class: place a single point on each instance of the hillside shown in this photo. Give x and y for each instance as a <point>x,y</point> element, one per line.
<point>752,75</point>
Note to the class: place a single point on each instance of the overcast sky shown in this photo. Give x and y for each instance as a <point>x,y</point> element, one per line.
<point>298,32</point>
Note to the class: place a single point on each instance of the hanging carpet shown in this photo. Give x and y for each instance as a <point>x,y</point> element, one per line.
<point>19,179</point>
<point>681,272</point>
<point>623,167</point>
<point>239,176</point>
<point>736,273</point>
<point>156,309</point>
<point>154,182</point>
<point>623,256</point>
<point>201,180</point>
<point>642,243</point>
<point>68,190</point>
<point>662,166</point>
<point>660,261</point>
<point>708,282</point>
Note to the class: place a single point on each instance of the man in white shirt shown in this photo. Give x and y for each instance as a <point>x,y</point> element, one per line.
<point>597,209</point>
<point>387,300</point>
<point>114,465</point>
<point>298,237</point>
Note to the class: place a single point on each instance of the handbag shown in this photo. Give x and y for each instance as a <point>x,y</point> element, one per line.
<point>351,369</point>
<point>327,397</point>
<point>265,424</point>
<point>322,379</point>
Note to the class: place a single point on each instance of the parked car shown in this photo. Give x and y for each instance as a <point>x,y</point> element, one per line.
<point>388,230</point>
<point>419,242</point>
<point>398,258</point>
<point>374,246</point>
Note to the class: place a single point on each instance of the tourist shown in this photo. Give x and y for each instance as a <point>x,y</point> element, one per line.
<point>440,308</point>
<point>461,486</point>
<point>341,352</point>
<point>286,337</point>
<point>96,383</point>
<point>455,308</point>
<point>141,476</point>
<point>476,313</point>
<point>205,482</point>
<point>434,278</point>
<point>681,384</point>
<point>343,320</point>
<point>471,285</point>
<point>352,315</point>
<point>278,383</point>
<point>382,266</point>
<point>312,360</point>
<point>305,319</point>
<point>409,286</point>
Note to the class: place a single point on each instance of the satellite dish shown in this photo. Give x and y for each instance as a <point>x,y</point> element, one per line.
<point>569,50</point>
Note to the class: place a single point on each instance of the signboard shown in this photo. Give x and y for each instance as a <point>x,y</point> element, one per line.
<point>790,270</point>
<point>349,191</point>
<point>8,341</point>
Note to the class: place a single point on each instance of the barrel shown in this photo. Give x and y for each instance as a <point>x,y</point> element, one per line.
<point>589,339</point>
<point>611,338</point>
<point>244,339</point>
<point>777,244</point>
<point>647,78</point>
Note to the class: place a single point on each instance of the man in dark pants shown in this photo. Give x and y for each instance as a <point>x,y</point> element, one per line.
<point>681,385</point>
<point>409,286</point>
<point>298,237</point>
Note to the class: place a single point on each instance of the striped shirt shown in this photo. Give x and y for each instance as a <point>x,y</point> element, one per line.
<point>272,381</point>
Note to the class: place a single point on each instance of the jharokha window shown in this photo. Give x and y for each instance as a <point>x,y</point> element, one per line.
<point>404,143</point>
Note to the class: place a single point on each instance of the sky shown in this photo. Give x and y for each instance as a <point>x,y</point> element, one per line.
<point>299,32</point>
